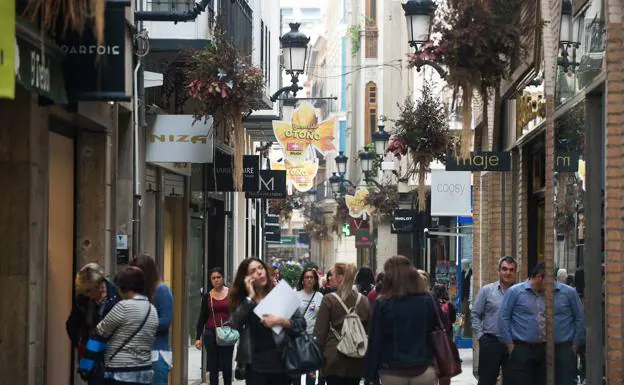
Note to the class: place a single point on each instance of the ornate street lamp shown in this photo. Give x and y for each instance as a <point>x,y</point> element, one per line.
<point>569,36</point>
<point>336,183</point>
<point>294,46</point>
<point>366,160</point>
<point>381,139</point>
<point>311,197</point>
<point>341,163</point>
<point>419,17</point>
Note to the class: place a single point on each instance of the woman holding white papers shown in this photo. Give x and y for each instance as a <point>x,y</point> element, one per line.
<point>259,355</point>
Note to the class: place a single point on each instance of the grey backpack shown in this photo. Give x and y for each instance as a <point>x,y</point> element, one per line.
<point>352,339</point>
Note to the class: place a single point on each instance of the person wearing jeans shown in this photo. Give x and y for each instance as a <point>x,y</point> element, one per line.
<point>492,353</point>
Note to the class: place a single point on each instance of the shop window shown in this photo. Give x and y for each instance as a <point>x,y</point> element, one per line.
<point>371,42</point>
<point>371,111</point>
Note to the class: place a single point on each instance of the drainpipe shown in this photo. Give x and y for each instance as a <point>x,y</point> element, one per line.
<point>176,17</point>
<point>136,164</point>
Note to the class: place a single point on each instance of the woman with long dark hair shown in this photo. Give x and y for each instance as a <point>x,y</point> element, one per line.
<point>404,313</point>
<point>162,299</point>
<point>365,280</point>
<point>311,298</point>
<point>259,354</point>
<point>372,296</point>
<point>215,311</point>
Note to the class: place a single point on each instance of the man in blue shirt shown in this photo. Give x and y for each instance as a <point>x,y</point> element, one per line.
<point>522,327</point>
<point>492,352</point>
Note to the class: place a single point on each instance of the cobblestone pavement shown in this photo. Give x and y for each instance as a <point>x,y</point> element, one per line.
<point>466,378</point>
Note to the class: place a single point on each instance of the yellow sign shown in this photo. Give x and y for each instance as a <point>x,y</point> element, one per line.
<point>299,174</point>
<point>304,132</point>
<point>7,49</point>
<point>357,203</point>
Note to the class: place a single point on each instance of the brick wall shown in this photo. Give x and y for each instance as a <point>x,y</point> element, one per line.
<point>614,198</point>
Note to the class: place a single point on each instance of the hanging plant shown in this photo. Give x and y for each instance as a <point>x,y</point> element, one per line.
<point>354,34</point>
<point>317,229</point>
<point>478,42</point>
<point>224,85</point>
<point>421,130</point>
<point>285,207</point>
<point>384,199</point>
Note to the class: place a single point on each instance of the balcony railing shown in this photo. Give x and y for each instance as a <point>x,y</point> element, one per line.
<point>237,16</point>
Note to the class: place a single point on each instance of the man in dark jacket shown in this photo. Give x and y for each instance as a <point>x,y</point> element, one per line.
<point>95,297</point>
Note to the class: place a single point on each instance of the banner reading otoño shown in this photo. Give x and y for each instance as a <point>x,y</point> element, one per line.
<point>357,203</point>
<point>299,174</point>
<point>304,131</point>
<point>7,49</point>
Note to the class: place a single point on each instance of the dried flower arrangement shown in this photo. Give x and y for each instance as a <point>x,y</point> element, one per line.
<point>224,85</point>
<point>384,199</point>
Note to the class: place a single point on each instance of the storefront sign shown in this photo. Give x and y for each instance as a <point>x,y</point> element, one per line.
<point>356,224</point>
<point>480,161</point>
<point>220,173</point>
<point>566,162</point>
<point>97,71</point>
<point>38,70</point>
<point>450,193</point>
<point>272,228</point>
<point>305,131</point>
<point>179,138</point>
<point>272,185</point>
<point>7,49</point>
<point>357,203</point>
<point>251,172</point>
<point>364,239</point>
<point>403,221</point>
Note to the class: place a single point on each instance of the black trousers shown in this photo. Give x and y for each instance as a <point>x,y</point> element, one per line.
<point>219,359</point>
<point>256,378</point>
<point>492,357</point>
<point>527,365</point>
<point>336,380</point>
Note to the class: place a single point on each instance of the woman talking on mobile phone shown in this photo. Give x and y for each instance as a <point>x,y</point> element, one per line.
<point>259,355</point>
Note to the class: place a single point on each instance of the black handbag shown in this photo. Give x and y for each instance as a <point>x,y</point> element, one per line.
<point>302,355</point>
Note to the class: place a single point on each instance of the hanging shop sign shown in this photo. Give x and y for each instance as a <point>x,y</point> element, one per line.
<point>179,138</point>
<point>7,49</point>
<point>480,161</point>
<point>356,224</point>
<point>38,65</point>
<point>251,172</point>
<point>305,133</point>
<point>356,203</point>
<point>566,162</point>
<point>301,174</point>
<point>272,228</point>
<point>272,185</point>
<point>94,71</point>
<point>364,239</point>
<point>450,193</point>
<point>403,221</point>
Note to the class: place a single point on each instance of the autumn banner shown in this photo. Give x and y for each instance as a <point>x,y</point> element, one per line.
<point>305,133</point>
<point>299,174</point>
<point>357,204</point>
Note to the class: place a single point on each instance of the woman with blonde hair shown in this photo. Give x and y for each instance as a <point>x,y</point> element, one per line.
<point>399,351</point>
<point>340,369</point>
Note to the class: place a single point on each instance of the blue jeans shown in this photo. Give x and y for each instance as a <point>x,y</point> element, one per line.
<point>161,372</point>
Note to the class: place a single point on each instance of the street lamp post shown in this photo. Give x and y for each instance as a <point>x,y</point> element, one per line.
<point>419,17</point>
<point>569,36</point>
<point>294,46</point>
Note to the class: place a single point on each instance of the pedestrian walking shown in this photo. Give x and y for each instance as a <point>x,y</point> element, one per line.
<point>215,312</point>
<point>365,280</point>
<point>340,369</point>
<point>128,332</point>
<point>259,355</point>
<point>162,299</point>
<point>399,351</point>
<point>329,284</point>
<point>95,297</point>
<point>522,324</point>
<point>311,298</point>
<point>492,353</point>
<point>372,296</point>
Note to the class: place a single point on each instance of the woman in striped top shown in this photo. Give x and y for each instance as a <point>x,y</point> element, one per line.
<point>131,329</point>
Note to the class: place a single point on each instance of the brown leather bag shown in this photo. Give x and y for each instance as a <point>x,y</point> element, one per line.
<point>445,353</point>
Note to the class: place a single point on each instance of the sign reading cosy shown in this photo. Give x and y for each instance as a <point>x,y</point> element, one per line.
<point>97,71</point>
<point>450,193</point>
<point>305,132</point>
<point>480,161</point>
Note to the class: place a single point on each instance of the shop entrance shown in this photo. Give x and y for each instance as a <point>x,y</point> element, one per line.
<point>60,260</point>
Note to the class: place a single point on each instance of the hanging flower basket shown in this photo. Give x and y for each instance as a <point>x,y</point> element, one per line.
<point>479,43</point>
<point>224,85</point>
<point>422,130</point>
<point>385,199</point>
<point>317,229</point>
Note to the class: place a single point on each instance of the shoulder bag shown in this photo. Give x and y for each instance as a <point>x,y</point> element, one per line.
<point>302,353</point>
<point>224,334</point>
<point>445,353</point>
